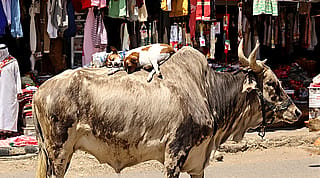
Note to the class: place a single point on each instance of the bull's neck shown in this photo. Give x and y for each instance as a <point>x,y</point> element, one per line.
<point>227,98</point>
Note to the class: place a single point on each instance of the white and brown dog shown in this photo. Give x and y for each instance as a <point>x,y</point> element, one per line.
<point>147,57</point>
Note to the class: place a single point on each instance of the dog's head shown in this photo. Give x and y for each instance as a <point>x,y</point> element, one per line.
<point>131,62</point>
<point>114,58</point>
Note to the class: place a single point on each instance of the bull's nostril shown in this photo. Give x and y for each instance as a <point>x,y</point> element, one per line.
<point>298,113</point>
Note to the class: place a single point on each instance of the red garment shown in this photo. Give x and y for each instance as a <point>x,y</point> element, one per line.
<point>192,18</point>
<point>203,10</point>
<point>6,61</point>
<point>77,5</point>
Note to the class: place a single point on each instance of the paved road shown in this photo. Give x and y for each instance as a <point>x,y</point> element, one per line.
<point>284,162</point>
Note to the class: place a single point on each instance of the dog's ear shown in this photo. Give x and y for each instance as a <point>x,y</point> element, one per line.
<point>114,50</point>
<point>134,57</point>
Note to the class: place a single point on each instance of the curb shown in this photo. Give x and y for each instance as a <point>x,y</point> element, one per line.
<point>251,141</point>
<point>14,151</point>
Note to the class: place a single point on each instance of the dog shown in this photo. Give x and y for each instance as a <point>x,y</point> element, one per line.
<point>147,57</point>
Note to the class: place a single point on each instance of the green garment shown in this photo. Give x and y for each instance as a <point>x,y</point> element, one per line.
<point>265,7</point>
<point>117,8</point>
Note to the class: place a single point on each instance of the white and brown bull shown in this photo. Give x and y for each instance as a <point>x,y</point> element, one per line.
<point>123,120</point>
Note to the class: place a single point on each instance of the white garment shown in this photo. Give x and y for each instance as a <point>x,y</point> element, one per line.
<point>52,31</point>
<point>124,36</point>
<point>10,86</point>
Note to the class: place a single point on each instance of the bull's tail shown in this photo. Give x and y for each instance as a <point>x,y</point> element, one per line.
<point>43,160</point>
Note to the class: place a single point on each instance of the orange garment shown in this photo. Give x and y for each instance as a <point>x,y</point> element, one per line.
<point>179,8</point>
<point>166,5</point>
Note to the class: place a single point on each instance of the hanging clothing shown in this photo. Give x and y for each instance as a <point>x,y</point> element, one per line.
<point>313,34</point>
<point>265,7</point>
<point>93,3</point>
<point>3,21</point>
<point>132,10</point>
<point>52,30</point>
<point>10,87</point>
<point>203,10</point>
<point>154,32</point>
<point>7,9</point>
<point>240,36</point>
<point>192,18</point>
<point>143,35</point>
<point>124,36</point>
<point>59,17</point>
<point>99,33</point>
<point>213,41</point>
<point>166,5</point>
<point>142,13</point>
<point>16,28</point>
<point>179,8</point>
<point>174,36</point>
<point>117,8</point>
<point>88,46</point>
<point>72,29</point>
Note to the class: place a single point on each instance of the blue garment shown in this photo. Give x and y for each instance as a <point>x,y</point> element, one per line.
<point>16,28</point>
<point>72,29</point>
<point>3,21</point>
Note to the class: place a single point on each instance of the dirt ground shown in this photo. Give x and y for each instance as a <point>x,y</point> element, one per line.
<point>85,165</point>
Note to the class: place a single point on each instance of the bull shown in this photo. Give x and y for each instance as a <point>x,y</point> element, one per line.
<point>123,120</point>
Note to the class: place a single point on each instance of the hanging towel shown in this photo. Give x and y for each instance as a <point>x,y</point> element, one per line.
<point>203,10</point>
<point>265,7</point>
<point>213,41</point>
<point>179,8</point>
<point>98,34</point>
<point>124,37</point>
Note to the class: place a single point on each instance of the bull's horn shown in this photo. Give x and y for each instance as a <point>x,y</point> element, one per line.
<point>244,62</point>
<point>256,67</point>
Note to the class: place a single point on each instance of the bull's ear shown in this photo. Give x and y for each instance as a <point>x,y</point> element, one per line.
<point>249,85</point>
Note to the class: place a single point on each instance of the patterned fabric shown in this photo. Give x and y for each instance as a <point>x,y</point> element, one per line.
<point>203,10</point>
<point>6,61</point>
<point>265,7</point>
<point>23,141</point>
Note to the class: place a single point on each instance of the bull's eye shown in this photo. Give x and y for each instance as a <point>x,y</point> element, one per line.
<point>274,98</point>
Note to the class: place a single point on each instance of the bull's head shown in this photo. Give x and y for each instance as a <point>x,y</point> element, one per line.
<point>275,102</point>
